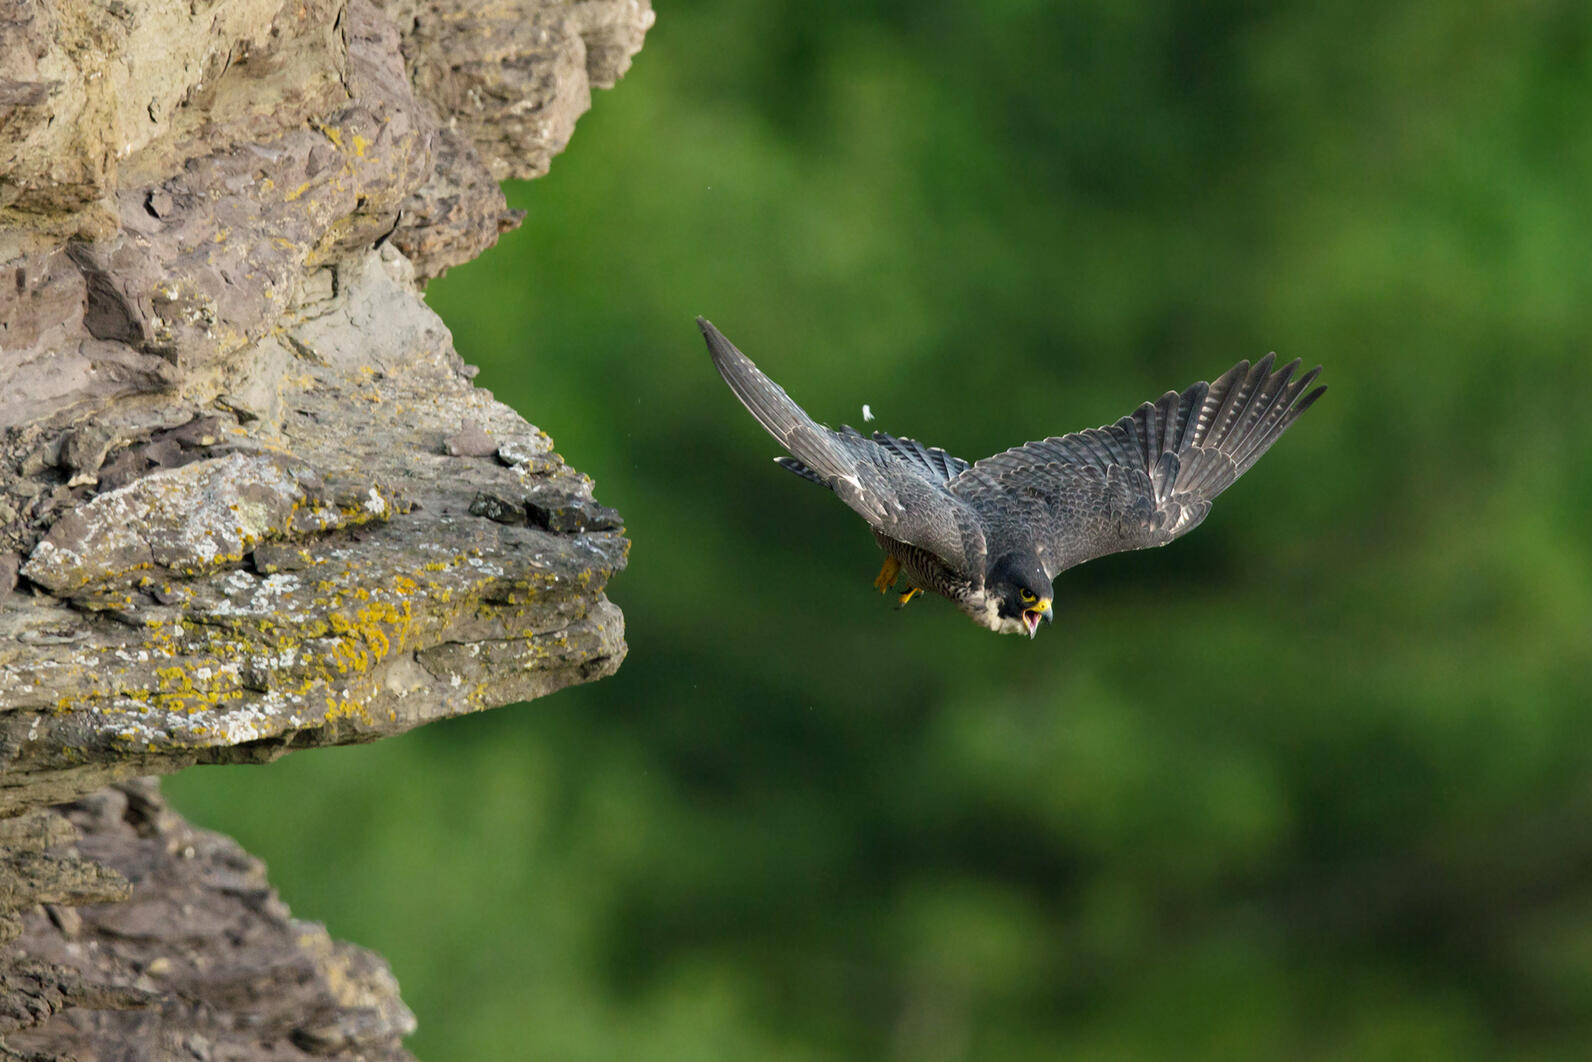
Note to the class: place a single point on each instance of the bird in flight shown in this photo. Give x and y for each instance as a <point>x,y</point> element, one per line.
<point>993,535</point>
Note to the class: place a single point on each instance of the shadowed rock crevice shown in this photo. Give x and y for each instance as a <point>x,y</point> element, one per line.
<point>250,499</point>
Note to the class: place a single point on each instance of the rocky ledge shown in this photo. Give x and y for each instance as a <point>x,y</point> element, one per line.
<point>250,500</point>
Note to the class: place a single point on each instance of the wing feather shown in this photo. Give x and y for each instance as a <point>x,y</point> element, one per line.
<point>930,459</point>
<point>790,464</point>
<point>1142,481</point>
<point>898,485</point>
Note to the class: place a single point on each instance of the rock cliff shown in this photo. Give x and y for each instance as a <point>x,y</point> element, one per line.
<point>250,500</point>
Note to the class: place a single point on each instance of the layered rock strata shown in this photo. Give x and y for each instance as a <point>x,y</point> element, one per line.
<point>250,499</point>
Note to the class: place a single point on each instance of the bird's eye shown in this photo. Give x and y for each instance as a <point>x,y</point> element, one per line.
<point>1027,596</point>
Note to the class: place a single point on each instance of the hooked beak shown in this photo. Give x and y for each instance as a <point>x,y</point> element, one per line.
<point>1031,617</point>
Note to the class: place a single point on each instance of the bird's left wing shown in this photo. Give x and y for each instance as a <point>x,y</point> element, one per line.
<point>897,485</point>
<point>1142,481</point>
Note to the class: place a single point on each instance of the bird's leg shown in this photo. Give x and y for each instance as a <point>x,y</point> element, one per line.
<point>910,594</point>
<point>887,574</point>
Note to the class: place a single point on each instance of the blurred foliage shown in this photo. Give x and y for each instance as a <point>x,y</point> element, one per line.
<point>1314,782</point>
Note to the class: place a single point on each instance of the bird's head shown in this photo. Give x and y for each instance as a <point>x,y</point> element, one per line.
<point>1020,590</point>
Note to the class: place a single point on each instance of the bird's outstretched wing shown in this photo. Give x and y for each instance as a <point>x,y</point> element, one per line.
<point>897,485</point>
<point>1142,481</point>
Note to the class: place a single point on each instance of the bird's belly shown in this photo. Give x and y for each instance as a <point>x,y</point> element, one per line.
<point>924,570</point>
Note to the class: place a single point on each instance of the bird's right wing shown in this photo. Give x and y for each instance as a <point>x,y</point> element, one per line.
<point>1142,481</point>
<point>897,485</point>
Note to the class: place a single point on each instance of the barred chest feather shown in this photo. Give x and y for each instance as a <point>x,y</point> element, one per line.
<point>923,569</point>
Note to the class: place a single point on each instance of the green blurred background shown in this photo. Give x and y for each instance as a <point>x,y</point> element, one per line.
<point>1314,782</point>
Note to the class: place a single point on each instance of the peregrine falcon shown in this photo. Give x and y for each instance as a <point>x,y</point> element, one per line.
<point>992,536</point>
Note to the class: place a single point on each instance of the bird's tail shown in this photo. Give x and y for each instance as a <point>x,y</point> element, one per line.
<point>812,444</point>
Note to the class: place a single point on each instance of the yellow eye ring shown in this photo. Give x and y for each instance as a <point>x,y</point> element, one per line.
<point>1028,596</point>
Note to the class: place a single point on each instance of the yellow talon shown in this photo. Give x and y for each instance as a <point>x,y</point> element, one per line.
<point>887,575</point>
<point>910,594</point>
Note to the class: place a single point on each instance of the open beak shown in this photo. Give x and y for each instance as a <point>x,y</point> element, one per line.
<point>1031,617</point>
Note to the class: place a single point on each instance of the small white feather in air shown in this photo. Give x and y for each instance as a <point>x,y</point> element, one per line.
<point>867,414</point>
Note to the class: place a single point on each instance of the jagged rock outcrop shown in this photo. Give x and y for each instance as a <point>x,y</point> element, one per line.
<point>195,958</point>
<point>249,498</point>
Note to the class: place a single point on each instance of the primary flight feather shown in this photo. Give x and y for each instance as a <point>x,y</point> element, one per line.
<point>992,536</point>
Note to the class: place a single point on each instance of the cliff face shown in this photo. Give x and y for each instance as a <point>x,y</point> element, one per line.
<point>249,498</point>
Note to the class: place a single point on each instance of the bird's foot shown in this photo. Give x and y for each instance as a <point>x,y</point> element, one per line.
<point>909,595</point>
<point>887,575</point>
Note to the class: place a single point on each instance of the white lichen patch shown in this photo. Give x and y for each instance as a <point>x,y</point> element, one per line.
<point>523,448</point>
<point>183,519</point>
<point>186,521</point>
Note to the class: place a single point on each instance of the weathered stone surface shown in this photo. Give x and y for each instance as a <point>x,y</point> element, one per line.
<point>186,521</point>
<point>97,92</point>
<point>569,514</point>
<point>292,588</point>
<point>459,212</point>
<point>470,441</point>
<point>199,942</point>
<point>516,76</point>
<point>239,470</point>
<point>524,449</point>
